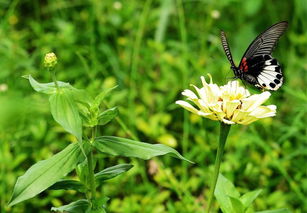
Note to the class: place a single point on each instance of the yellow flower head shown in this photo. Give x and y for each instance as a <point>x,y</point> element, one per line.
<point>50,60</point>
<point>231,103</point>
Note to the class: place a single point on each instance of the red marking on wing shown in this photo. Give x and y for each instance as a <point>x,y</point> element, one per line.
<point>243,65</point>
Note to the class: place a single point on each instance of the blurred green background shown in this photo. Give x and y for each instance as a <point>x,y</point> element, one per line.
<point>153,50</point>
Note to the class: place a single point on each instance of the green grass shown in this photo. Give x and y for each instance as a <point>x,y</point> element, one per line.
<point>154,50</point>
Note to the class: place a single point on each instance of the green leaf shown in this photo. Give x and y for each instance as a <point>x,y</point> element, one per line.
<point>130,148</point>
<point>68,184</point>
<point>45,173</point>
<point>237,205</point>
<point>223,191</point>
<point>79,206</point>
<point>101,210</point>
<point>99,98</point>
<point>106,116</point>
<point>249,197</point>
<point>275,211</point>
<point>82,172</point>
<point>64,110</point>
<point>81,96</point>
<point>99,205</point>
<point>47,88</point>
<point>112,172</point>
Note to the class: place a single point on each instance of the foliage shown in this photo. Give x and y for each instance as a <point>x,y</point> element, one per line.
<point>231,201</point>
<point>64,101</point>
<point>153,50</point>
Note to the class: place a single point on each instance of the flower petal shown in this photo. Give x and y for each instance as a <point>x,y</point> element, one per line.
<point>230,106</point>
<point>247,120</point>
<point>252,102</point>
<point>228,121</point>
<point>189,94</point>
<point>203,106</point>
<point>264,111</point>
<point>187,106</point>
<point>239,115</point>
<point>209,92</point>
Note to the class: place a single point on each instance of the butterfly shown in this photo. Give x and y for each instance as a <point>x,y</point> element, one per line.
<point>257,66</point>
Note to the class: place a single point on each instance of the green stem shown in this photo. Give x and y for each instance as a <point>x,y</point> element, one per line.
<point>224,130</point>
<point>91,173</point>
<point>53,77</point>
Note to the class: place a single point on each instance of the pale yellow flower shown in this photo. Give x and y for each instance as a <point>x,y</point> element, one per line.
<point>231,103</point>
<point>50,60</point>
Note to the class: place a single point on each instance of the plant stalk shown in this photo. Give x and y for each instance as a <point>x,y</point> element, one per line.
<point>52,72</point>
<point>91,173</point>
<point>224,130</point>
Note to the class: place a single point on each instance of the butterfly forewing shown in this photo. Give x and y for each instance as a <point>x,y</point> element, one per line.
<point>265,42</point>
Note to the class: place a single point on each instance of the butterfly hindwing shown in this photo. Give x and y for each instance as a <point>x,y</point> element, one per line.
<point>263,71</point>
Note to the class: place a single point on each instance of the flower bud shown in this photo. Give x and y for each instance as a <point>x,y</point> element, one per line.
<point>50,60</point>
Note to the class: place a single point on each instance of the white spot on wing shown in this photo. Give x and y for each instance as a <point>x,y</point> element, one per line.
<point>270,68</point>
<point>268,75</point>
<point>269,62</point>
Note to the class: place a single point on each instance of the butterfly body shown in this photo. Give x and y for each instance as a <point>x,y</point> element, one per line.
<point>257,66</point>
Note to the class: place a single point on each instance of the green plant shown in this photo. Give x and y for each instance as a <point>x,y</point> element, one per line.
<point>229,104</point>
<point>231,201</point>
<point>80,115</point>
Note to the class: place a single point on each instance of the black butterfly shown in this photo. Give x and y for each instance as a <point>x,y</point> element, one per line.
<point>257,65</point>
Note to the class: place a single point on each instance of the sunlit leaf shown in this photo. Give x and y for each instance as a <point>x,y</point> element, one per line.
<point>99,98</point>
<point>225,189</point>
<point>45,173</point>
<point>99,205</point>
<point>249,197</point>
<point>82,172</point>
<point>64,110</point>
<point>112,172</point>
<point>79,206</point>
<point>236,205</point>
<point>68,184</point>
<point>106,116</point>
<point>130,148</point>
<point>47,88</point>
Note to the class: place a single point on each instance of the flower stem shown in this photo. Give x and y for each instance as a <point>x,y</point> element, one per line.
<point>91,174</point>
<point>54,79</point>
<point>224,130</point>
<point>90,163</point>
<point>52,72</point>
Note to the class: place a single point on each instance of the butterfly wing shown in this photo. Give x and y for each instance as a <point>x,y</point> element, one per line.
<point>257,62</point>
<point>226,48</point>
<point>266,41</point>
<point>264,72</point>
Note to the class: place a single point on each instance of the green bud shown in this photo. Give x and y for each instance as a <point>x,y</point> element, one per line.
<point>50,60</point>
